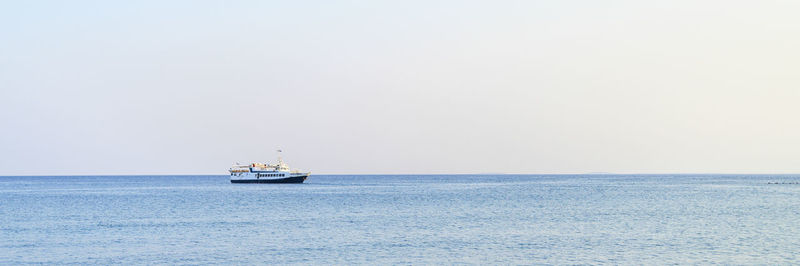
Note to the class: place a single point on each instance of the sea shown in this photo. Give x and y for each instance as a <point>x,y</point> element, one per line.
<point>402,219</point>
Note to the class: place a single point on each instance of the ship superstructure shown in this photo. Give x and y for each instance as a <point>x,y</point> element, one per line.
<point>266,173</point>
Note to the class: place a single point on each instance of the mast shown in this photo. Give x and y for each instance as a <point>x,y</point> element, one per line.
<point>281,165</point>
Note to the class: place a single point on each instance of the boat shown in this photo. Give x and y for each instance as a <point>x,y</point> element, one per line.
<point>266,173</point>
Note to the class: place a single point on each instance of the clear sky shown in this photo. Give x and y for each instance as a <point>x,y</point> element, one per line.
<point>190,87</point>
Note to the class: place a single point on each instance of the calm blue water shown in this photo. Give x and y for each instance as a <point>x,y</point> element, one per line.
<point>485,219</point>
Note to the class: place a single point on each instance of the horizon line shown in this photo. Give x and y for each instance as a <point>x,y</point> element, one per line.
<point>423,174</point>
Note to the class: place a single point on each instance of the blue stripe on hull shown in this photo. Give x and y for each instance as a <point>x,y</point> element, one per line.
<point>293,179</point>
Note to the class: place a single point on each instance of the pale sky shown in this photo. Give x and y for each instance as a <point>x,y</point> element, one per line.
<point>394,87</point>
